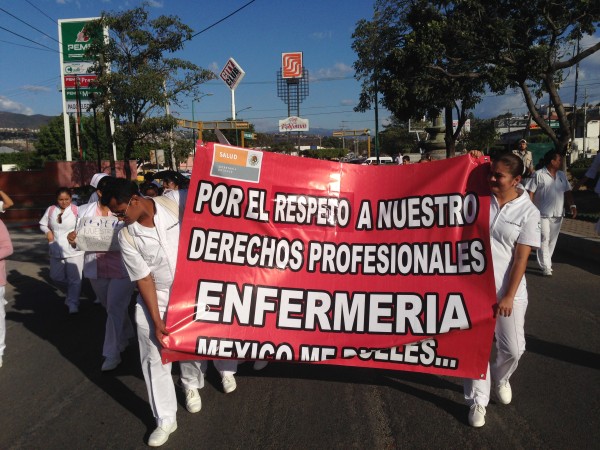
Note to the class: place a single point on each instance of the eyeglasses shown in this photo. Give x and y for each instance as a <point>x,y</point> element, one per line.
<point>121,215</point>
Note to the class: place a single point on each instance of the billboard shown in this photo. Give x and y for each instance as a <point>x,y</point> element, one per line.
<point>232,74</point>
<point>293,123</point>
<point>291,65</point>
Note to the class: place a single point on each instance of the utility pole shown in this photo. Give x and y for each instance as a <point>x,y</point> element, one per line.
<point>585,124</point>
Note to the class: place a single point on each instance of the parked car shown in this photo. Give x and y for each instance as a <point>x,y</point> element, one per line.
<point>382,160</point>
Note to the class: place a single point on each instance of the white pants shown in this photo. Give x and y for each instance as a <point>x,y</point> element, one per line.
<point>68,271</point>
<point>510,345</point>
<point>3,302</point>
<point>115,294</point>
<point>550,229</point>
<point>159,382</point>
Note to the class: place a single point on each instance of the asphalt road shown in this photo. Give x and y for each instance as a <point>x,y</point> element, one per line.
<point>54,396</point>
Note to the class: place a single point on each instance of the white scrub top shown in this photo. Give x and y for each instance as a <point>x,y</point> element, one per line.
<point>518,222</point>
<point>549,192</point>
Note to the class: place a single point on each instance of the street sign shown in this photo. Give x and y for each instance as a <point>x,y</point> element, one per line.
<point>232,74</point>
<point>248,135</point>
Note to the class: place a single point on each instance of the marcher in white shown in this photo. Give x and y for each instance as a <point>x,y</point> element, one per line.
<point>514,230</point>
<point>548,189</point>
<point>94,183</point>
<point>591,174</point>
<point>149,244</point>
<point>111,284</point>
<point>66,263</point>
<point>5,201</point>
<point>6,249</point>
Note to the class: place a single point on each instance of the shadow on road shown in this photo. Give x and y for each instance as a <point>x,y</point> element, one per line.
<point>40,308</point>
<point>562,352</point>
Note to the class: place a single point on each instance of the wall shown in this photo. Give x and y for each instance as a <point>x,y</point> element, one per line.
<point>33,191</point>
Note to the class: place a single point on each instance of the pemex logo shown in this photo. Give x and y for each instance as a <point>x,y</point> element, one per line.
<point>291,65</point>
<point>82,36</point>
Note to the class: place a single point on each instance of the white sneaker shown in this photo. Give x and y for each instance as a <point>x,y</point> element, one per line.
<point>477,416</point>
<point>260,365</point>
<point>111,363</point>
<point>547,273</point>
<point>504,393</point>
<point>161,434</point>
<point>73,309</point>
<point>193,402</point>
<point>0,361</point>
<point>229,384</point>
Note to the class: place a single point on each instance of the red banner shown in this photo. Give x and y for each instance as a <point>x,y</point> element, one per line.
<point>296,259</point>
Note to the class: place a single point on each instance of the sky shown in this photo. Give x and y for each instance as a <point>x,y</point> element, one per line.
<point>255,37</point>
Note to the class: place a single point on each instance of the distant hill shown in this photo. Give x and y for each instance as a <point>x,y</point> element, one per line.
<point>14,120</point>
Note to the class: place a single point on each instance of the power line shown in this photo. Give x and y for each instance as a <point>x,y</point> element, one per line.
<point>27,39</point>
<point>223,19</point>
<point>29,25</point>
<point>51,19</point>
<point>26,46</point>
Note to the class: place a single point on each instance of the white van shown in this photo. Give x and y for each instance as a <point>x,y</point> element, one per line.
<point>382,160</point>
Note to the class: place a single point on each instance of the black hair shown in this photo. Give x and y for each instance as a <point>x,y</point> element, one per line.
<point>145,187</point>
<point>513,162</point>
<point>550,155</point>
<point>103,182</point>
<point>63,190</point>
<point>120,189</point>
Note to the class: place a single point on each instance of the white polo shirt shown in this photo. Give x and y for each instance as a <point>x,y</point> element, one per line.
<point>155,252</point>
<point>549,192</point>
<point>518,222</point>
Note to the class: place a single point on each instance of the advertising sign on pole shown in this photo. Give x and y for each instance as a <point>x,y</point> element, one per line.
<point>75,79</point>
<point>293,124</point>
<point>291,65</point>
<point>232,74</point>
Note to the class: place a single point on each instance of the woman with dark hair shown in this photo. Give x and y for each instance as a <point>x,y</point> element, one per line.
<point>111,283</point>
<point>514,231</point>
<point>66,263</point>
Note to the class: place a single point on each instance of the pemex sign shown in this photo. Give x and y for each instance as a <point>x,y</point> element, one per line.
<point>74,41</point>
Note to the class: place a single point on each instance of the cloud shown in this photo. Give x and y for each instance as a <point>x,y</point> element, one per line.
<point>32,88</point>
<point>14,107</point>
<point>155,4</point>
<point>321,35</point>
<point>338,70</point>
<point>214,67</point>
<point>348,102</point>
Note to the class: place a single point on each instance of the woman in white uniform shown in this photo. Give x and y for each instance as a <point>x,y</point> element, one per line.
<point>111,284</point>
<point>514,231</point>
<point>66,263</point>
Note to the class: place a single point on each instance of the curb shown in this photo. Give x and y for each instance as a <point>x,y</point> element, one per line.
<point>579,246</point>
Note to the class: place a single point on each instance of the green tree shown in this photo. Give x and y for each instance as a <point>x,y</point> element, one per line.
<point>482,135</point>
<point>51,139</point>
<point>407,53</point>
<point>142,78</point>
<point>463,47</point>
<point>395,138</point>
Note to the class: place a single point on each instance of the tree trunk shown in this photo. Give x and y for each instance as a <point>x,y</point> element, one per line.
<point>449,134</point>
<point>126,158</point>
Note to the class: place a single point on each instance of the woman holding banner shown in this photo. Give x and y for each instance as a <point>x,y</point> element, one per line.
<point>66,263</point>
<point>110,281</point>
<point>514,231</point>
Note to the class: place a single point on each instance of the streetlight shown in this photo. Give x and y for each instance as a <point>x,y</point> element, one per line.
<point>235,119</point>
<point>193,120</point>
